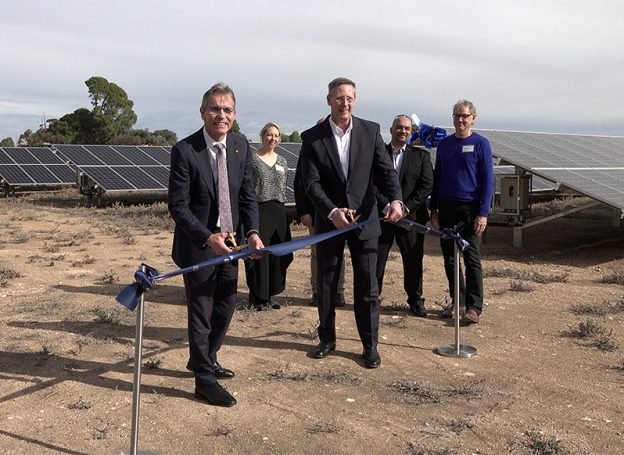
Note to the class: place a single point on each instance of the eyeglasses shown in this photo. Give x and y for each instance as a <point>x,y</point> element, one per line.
<point>462,116</point>
<point>215,110</point>
<point>344,100</point>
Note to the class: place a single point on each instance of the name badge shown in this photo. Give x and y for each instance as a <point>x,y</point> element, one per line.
<point>279,168</point>
<point>468,149</point>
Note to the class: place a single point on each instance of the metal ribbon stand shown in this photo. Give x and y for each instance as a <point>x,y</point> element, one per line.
<point>457,349</point>
<point>136,386</point>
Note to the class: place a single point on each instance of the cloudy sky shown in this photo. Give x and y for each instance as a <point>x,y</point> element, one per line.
<point>531,65</point>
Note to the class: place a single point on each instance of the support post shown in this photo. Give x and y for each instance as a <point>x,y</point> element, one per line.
<point>136,385</point>
<point>457,349</point>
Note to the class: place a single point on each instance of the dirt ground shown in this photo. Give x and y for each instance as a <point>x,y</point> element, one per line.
<point>547,379</point>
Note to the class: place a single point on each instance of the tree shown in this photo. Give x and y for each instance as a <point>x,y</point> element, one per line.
<point>293,137</point>
<point>7,142</point>
<point>112,110</point>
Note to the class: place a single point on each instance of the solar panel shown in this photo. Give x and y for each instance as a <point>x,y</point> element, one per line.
<point>107,154</point>
<point>160,154</point>
<point>78,155</point>
<point>158,173</point>
<point>591,165</point>
<point>135,155</point>
<point>139,179</point>
<point>34,166</point>
<point>21,155</point>
<point>4,158</point>
<point>14,175</point>
<point>45,156</point>
<point>107,178</point>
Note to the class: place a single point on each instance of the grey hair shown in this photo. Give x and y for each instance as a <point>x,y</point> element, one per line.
<point>462,102</point>
<point>266,127</point>
<point>337,82</point>
<point>219,88</point>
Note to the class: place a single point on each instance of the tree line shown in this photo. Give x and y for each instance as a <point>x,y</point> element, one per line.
<point>109,121</point>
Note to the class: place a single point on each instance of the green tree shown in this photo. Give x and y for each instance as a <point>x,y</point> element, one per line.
<point>7,142</point>
<point>295,137</point>
<point>112,112</point>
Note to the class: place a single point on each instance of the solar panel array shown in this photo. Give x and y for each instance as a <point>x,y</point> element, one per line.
<point>121,167</point>
<point>33,166</point>
<point>591,165</point>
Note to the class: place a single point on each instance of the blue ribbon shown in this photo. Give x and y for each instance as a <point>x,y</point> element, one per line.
<point>430,136</point>
<point>130,296</point>
<point>446,233</point>
<point>144,281</point>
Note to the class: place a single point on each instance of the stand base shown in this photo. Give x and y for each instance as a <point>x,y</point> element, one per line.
<point>464,351</point>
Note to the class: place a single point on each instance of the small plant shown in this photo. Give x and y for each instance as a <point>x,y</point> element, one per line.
<point>590,309</point>
<point>615,277</point>
<point>84,261</point>
<point>605,342</point>
<point>519,286</point>
<point>80,404</point>
<point>589,329</point>
<point>50,248</point>
<point>415,392</point>
<point>18,237</point>
<point>324,427</point>
<point>110,277</point>
<point>395,322</point>
<point>7,274</point>
<point>413,450</point>
<point>153,363</point>
<point>45,351</point>
<point>545,279</point>
<point>107,315</point>
<point>541,444</point>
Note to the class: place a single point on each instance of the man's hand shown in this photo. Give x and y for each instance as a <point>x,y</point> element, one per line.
<point>339,218</point>
<point>217,243</point>
<point>479,224</point>
<point>395,212</point>
<point>306,220</point>
<point>435,222</point>
<point>255,242</point>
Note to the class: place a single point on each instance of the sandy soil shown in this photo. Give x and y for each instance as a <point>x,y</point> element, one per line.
<point>547,379</point>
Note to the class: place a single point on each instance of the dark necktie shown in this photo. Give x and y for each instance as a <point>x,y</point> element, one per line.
<point>225,208</point>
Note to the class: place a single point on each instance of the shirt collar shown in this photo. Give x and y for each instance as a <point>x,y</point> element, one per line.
<point>397,151</point>
<point>210,142</point>
<point>337,130</point>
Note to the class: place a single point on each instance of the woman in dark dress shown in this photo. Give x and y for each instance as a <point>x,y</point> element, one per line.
<point>266,277</point>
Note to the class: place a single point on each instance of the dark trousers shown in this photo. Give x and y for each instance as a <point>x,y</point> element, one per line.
<point>365,290</point>
<point>470,290</point>
<point>266,276</point>
<point>411,245</point>
<point>210,307</point>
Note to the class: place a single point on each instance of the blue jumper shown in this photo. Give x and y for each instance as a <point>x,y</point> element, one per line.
<point>464,172</point>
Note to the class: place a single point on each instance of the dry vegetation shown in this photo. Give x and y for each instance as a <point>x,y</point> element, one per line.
<point>547,379</point>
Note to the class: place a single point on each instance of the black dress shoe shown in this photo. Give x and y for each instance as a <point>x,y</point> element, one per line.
<point>215,395</point>
<point>340,301</point>
<point>418,309</point>
<point>323,349</point>
<point>222,373</point>
<point>371,359</point>
<point>273,305</point>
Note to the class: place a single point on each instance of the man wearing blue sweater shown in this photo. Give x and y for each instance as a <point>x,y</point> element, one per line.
<point>463,182</point>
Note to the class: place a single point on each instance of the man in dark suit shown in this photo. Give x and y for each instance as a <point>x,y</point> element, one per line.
<point>413,164</point>
<point>194,206</point>
<point>340,158</point>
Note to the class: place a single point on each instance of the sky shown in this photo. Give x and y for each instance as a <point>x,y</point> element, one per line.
<point>531,65</point>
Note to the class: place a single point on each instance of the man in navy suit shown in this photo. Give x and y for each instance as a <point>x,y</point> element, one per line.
<point>194,206</point>
<point>413,164</point>
<point>341,157</point>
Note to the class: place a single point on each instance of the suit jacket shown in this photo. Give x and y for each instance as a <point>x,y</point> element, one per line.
<point>193,199</point>
<point>416,178</point>
<point>326,185</point>
<point>303,204</point>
